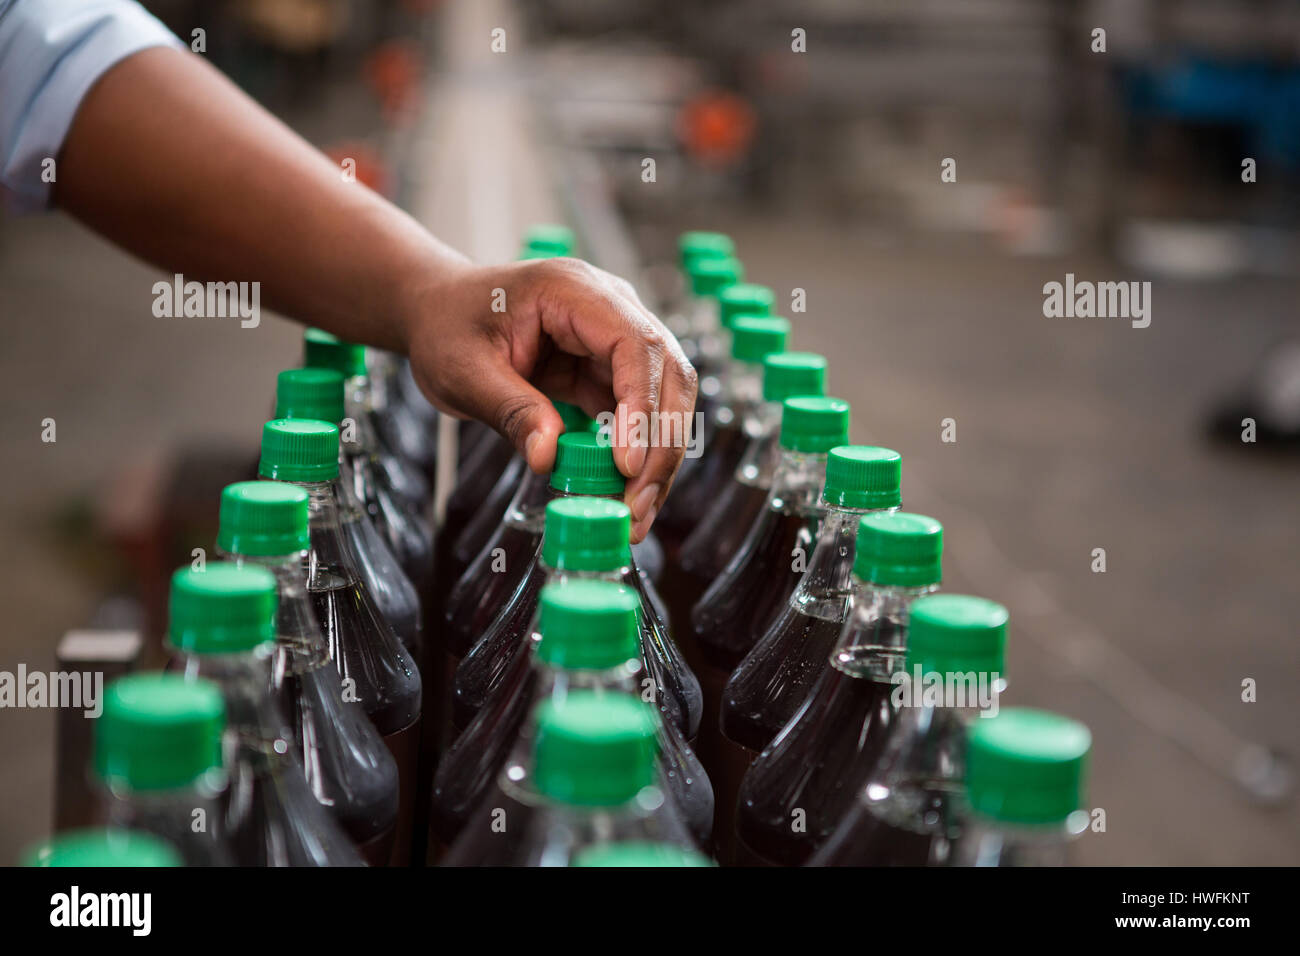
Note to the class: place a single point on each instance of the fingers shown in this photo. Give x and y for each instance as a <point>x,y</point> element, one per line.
<point>589,313</point>
<point>493,392</point>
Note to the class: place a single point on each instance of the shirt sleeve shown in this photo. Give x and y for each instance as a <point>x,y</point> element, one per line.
<point>51,53</point>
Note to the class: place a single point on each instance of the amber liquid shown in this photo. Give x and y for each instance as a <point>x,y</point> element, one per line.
<point>697,488</point>
<point>917,832</point>
<point>818,765</point>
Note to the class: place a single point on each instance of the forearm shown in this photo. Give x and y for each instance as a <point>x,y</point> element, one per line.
<point>223,191</point>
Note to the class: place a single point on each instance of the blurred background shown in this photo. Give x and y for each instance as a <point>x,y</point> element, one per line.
<point>820,153</point>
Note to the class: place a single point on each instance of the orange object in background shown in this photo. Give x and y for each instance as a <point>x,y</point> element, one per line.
<point>393,73</point>
<point>369,167</point>
<point>717,127</point>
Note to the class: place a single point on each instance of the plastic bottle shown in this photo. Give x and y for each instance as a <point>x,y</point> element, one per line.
<point>775,677</point>
<point>494,599</point>
<point>370,659</point>
<point>819,761</point>
<point>348,768</point>
<point>586,544</point>
<point>708,272</point>
<point>394,494</point>
<point>723,441</point>
<point>96,847</point>
<point>717,537</point>
<point>222,628</point>
<point>1025,776</point>
<point>736,609</point>
<point>158,760</point>
<point>591,781</point>
<point>910,810</point>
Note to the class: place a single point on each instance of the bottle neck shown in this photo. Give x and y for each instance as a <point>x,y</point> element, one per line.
<point>798,483</point>
<point>259,728</point>
<point>357,432</point>
<point>170,811</point>
<point>827,585</point>
<point>300,642</point>
<point>329,561</point>
<point>527,510</point>
<point>873,641</point>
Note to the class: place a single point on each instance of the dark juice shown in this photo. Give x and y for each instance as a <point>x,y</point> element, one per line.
<point>378,673</point>
<point>483,669</point>
<point>486,518</point>
<point>913,826</point>
<point>360,788</point>
<point>777,676</point>
<point>799,789</point>
<point>390,589</point>
<point>754,588</point>
<point>692,496</point>
<point>469,768</point>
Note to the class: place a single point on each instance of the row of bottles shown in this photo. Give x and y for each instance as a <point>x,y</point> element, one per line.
<point>773,677</point>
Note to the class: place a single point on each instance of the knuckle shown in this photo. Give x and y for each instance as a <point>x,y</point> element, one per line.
<point>511,415</point>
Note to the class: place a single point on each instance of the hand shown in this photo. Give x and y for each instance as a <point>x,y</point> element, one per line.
<point>569,330</point>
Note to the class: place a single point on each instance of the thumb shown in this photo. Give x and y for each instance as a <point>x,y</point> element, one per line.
<point>521,413</point>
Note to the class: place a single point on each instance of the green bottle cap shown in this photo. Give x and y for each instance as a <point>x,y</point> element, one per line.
<point>547,240</point>
<point>754,338</point>
<point>587,534</point>
<point>709,276</point>
<point>744,298</point>
<point>594,749</point>
<point>791,374</point>
<point>639,855</point>
<point>956,633</point>
<point>261,518</point>
<point>899,550</point>
<point>225,609</point>
<point>863,476</point>
<point>574,418</point>
<point>309,393</point>
<point>703,245</point>
<point>101,847</point>
<point>299,449</point>
<point>159,731</point>
<point>323,350</point>
<point>1027,766</point>
<point>588,625</point>
<point>814,424</point>
<point>584,465</point>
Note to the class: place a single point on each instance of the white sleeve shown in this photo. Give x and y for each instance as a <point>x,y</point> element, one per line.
<point>51,54</point>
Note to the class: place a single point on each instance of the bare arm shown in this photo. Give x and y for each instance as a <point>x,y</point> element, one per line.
<point>169,159</point>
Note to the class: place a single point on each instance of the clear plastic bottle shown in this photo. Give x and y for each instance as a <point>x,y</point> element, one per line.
<point>158,760</point>
<point>755,587</point>
<point>96,847</point>
<point>819,761</point>
<point>222,628</point>
<point>1025,779</point>
<point>726,396</point>
<point>376,669</point>
<point>717,537</point>
<point>586,541</point>
<point>389,531</point>
<point>407,422</point>
<point>708,265</point>
<point>348,768</point>
<point>591,780</point>
<point>911,809</point>
<point>494,600</point>
<point>775,677</point>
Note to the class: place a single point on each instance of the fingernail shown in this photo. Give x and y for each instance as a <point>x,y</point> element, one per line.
<point>642,527</point>
<point>635,460</point>
<point>530,443</point>
<point>643,503</point>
